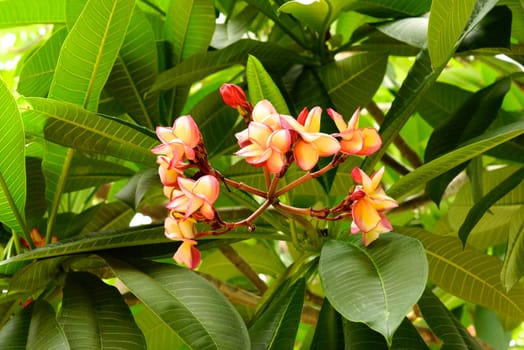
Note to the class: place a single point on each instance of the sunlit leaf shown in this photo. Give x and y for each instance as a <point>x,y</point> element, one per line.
<point>135,71</point>
<point>89,51</point>
<point>388,286</point>
<point>447,21</point>
<point>411,30</point>
<point>189,27</point>
<point>12,163</point>
<point>95,316</point>
<point>262,87</point>
<point>313,14</point>
<point>70,125</point>
<point>14,12</point>
<point>468,273</point>
<point>388,8</point>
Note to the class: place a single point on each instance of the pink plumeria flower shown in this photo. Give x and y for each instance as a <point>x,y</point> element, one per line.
<point>312,143</point>
<point>193,196</point>
<point>184,133</point>
<point>177,228</point>
<point>266,147</point>
<point>187,254</point>
<point>265,113</point>
<point>370,201</point>
<point>355,140</point>
<point>168,173</point>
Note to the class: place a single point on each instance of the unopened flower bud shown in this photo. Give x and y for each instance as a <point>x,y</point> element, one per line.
<point>234,96</point>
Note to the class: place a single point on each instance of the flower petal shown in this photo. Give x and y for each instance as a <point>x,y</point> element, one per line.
<point>338,119</point>
<point>275,163</point>
<point>371,141</point>
<point>326,145</point>
<point>208,187</point>
<point>262,109</point>
<point>187,254</point>
<point>281,140</point>
<point>185,129</point>
<point>306,155</point>
<point>365,215</point>
<point>312,123</point>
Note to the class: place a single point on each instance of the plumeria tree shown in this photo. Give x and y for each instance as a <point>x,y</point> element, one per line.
<point>262,174</point>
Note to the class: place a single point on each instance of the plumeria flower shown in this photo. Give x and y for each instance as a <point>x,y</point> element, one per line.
<point>266,147</point>
<point>168,173</point>
<point>355,140</point>
<point>184,133</point>
<point>370,201</point>
<point>187,254</point>
<point>265,113</point>
<point>178,228</point>
<point>193,196</point>
<point>312,143</point>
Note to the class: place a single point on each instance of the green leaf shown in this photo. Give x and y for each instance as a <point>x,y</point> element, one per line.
<point>352,82</point>
<point>109,216</point>
<point>37,71</point>
<point>470,120</point>
<point>411,31</point>
<point>440,102</point>
<point>468,273</point>
<point>89,52</point>
<point>35,205</point>
<point>159,336</point>
<point>137,187</point>
<point>45,332</point>
<point>315,14</point>
<point>186,302</point>
<point>13,335</point>
<point>16,13</point>
<point>387,8</point>
<point>513,268</point>
<point>135,71</point>
<point>262,87</point>
<point>494,30</point>
<point>89,243</point>
<point>189,27</point>
<point>445,326</point>
<point>358,336</point>
<point>95,316</point>
<point>444,31</point>
<point>329,333</point>
<point>489,328</point>
<point>199,66</point>
<point>471,149</point>
<point>388,286</point>
<point>35,276</point>
<point>483,205</point>
<point>12,163</point>
<point>277,326</point>
<point>71,125</point>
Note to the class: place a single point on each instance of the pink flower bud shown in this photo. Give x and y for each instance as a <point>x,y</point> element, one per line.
<point>234,96</point>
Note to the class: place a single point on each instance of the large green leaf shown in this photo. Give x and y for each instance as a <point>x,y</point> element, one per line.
<point>13,335</point>
<point>411,30</point>
<point>199,66</point>
<point>471,149</point>
<point>358,336</point>
<point>37,71</point>
<point>483,205</point>
<point>16,13</point>
<point>70,125</point>
<point>513,268</point>
<point>445,326</point>
<point>444,30</point>
<point>470,120</point>
<point>387,8</point>
<point>89,243</point>
<point>375,285</point>
<point>109,216</point>
<point>189,27</point>
<point>262,87</point>
<point>135,71</point>
<point>12,163</point>
<point>314,14</point>
<point>329,333</point>
<point>468,273</point>
<point>44,331</point>
<point>352,82</point>
<point>159,336</point>
<point>89,52</point>
<point>35,276</point>
<point>277,326</point>
<point>186,302</point>
<point>95,316</point>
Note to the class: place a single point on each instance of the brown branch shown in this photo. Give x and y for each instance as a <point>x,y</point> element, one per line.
<point>243,267</point>
<point>410,155</point>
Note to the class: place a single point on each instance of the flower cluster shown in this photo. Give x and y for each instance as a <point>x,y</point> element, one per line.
<point>190,200</point>
<point>273,142</point>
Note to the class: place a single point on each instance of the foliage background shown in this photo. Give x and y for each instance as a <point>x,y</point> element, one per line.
<point>85,84</point>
